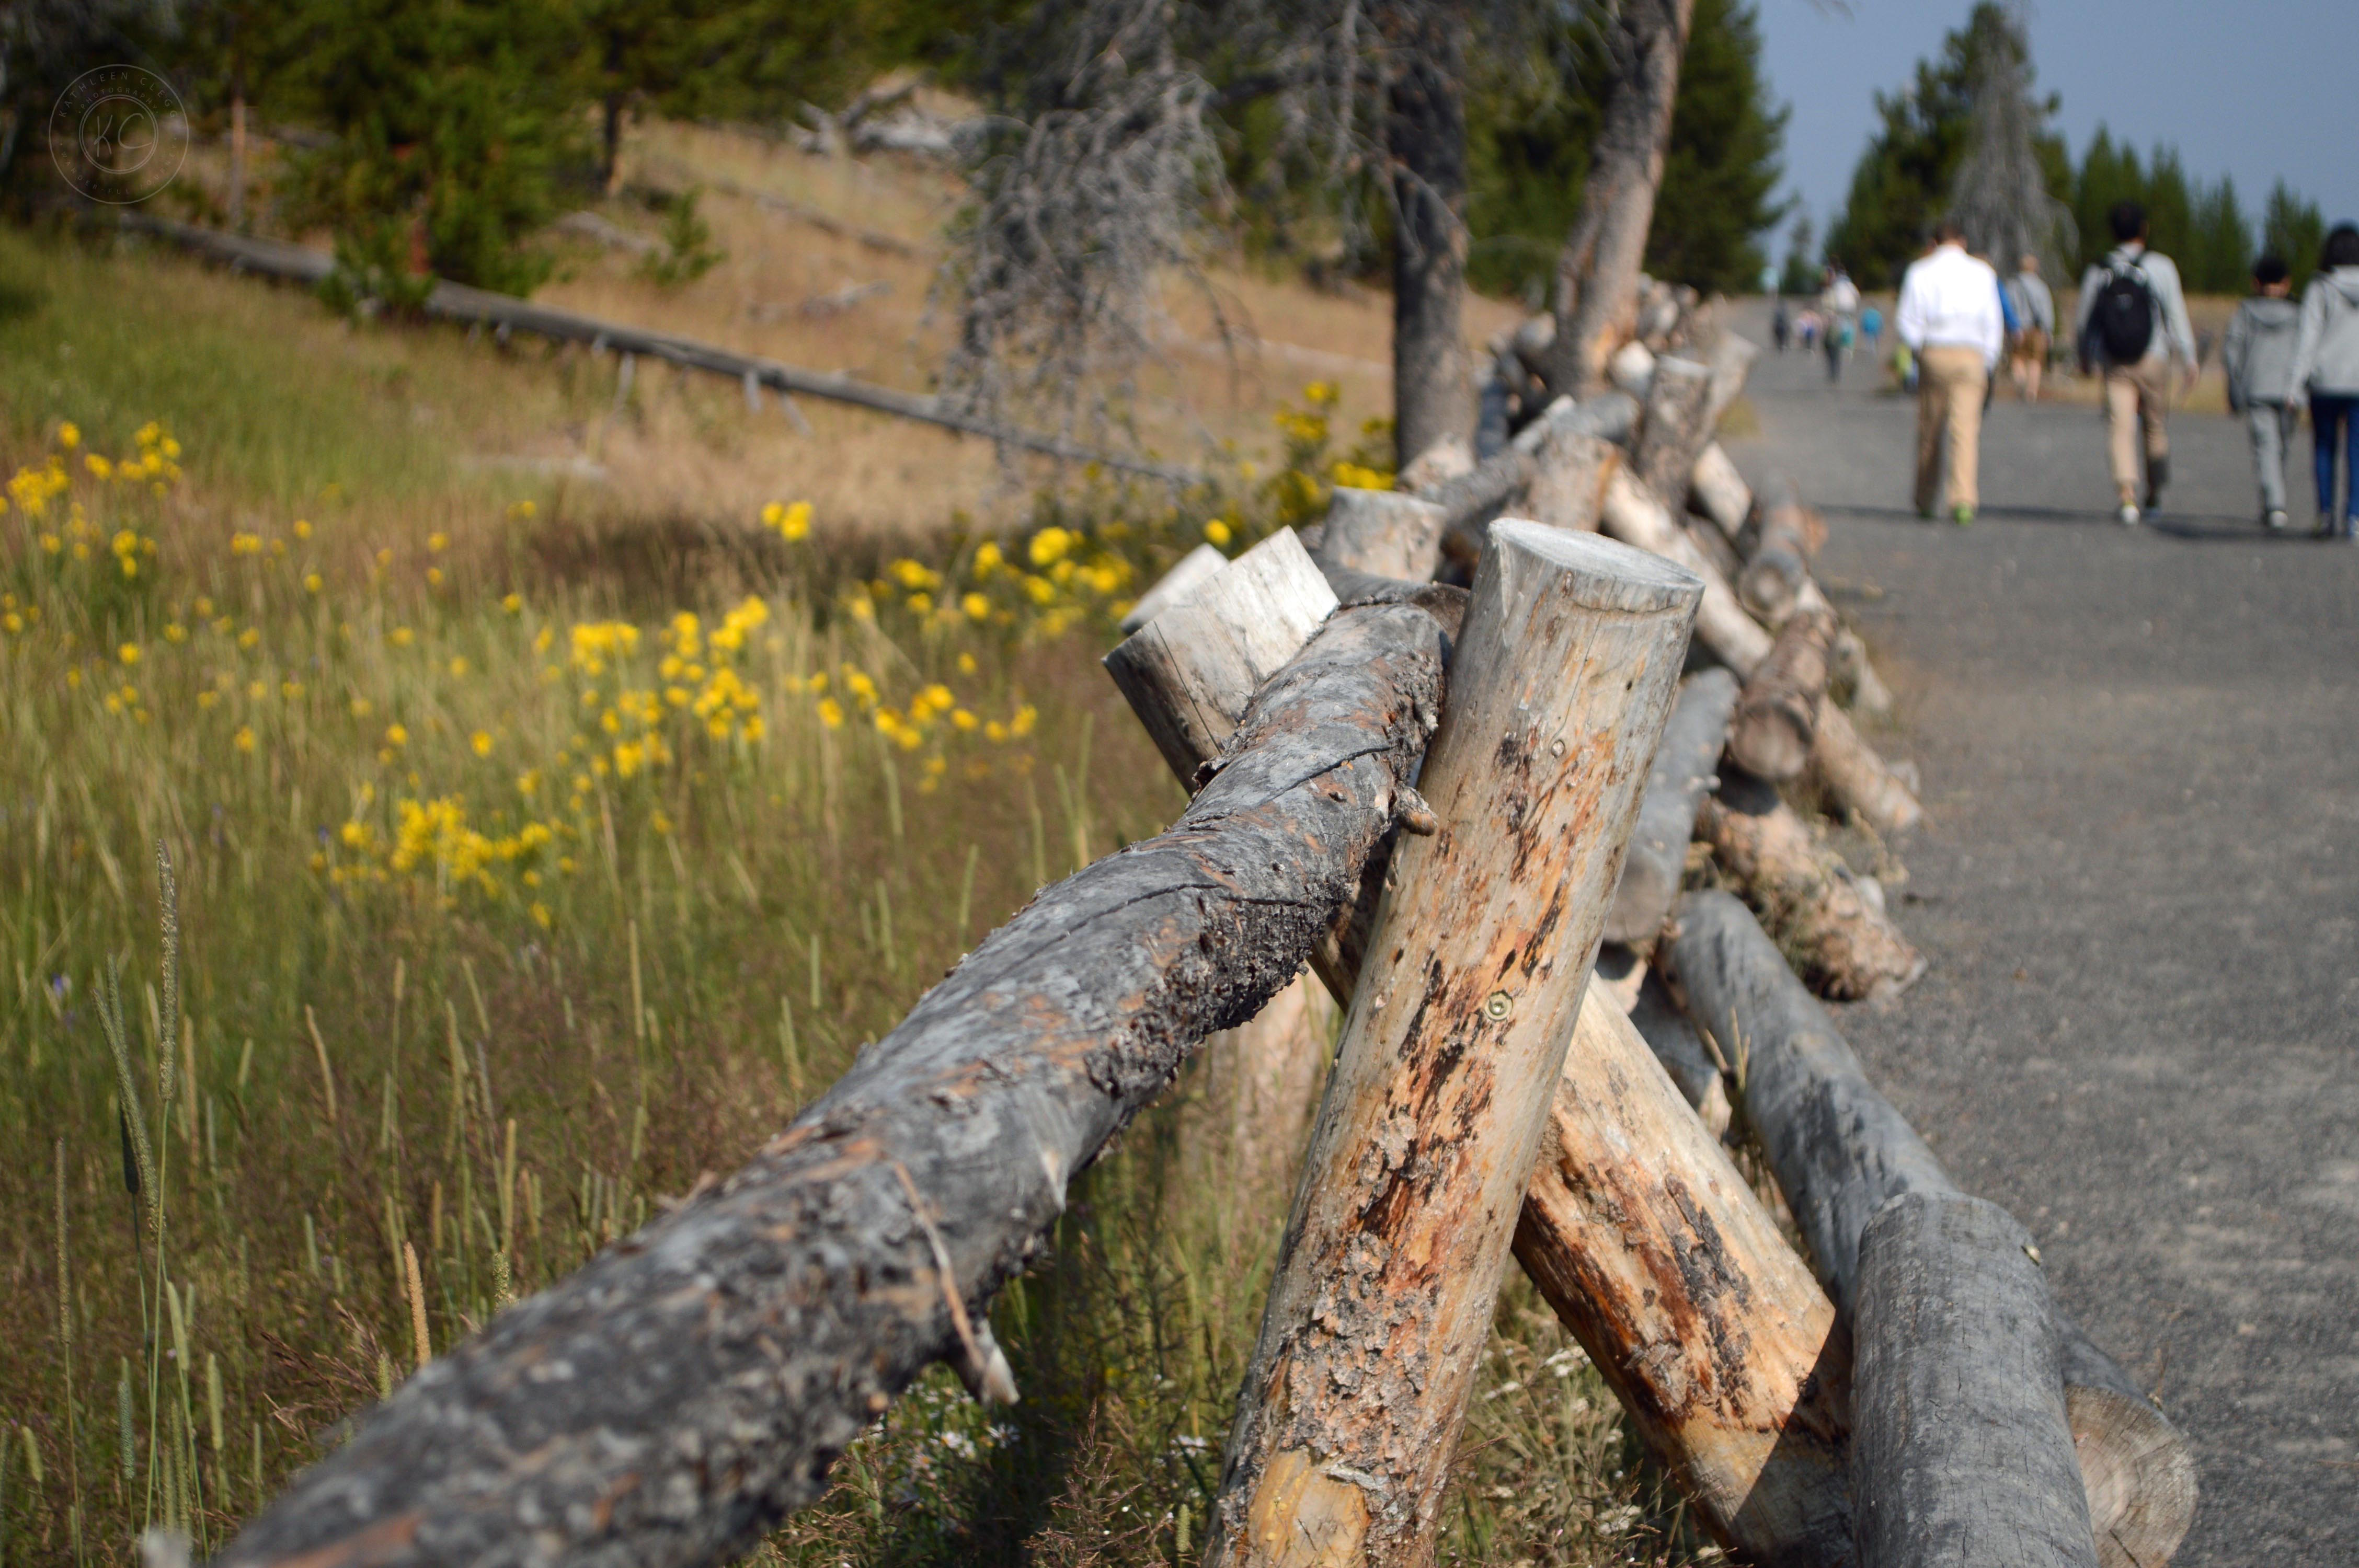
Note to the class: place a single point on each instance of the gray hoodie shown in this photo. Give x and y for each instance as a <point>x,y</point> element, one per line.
<point>2259,352</point>
<point>2326,359</point>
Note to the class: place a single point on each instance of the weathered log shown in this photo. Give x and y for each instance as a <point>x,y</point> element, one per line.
<point>1778,574</point>
<point>1380,1302</point>
<point>1841,1152</point>
<point>1718,491</point>
<point>1174,586</point>
<point>1657,1016</point>
<point>1683,772</point>
<point>1731,361</point>
<point>1777,716</point>
<point>670,1401</point>
<point>1855,676</point>
<point>1711,1333</point>
<point>1962,1455</point>
<point>1674,431</point>
<point>1474,498</point>
<point>1713,546</point>
<point>1631,369</point>
<point>1569,475</point>
<point>1189,671</point>
<point>1846,766</point>
<point>1383,533</point>
<point>1844,946</point>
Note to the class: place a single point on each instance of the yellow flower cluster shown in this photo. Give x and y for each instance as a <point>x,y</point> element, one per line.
<point>434,835</point>
<point>791,523</point>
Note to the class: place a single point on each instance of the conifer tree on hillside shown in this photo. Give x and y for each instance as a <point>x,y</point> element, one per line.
<point>2001,192</point>
<point>2293,229</point>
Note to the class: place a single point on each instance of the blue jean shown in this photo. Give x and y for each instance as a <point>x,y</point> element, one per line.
<point>2334,422</point>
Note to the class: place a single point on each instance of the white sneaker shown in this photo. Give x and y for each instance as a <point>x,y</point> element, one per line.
<point>2275,521</point>
<point>2128,515</point>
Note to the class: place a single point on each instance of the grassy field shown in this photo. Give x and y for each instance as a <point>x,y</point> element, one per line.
<point>538,846</point>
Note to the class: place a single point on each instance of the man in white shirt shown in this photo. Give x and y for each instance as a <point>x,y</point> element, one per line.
<point>1948,317</point>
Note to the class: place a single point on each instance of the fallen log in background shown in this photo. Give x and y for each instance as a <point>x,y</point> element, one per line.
<point>1472,499</point>
<point>1717,491</point>
<point>1778,571</point>
<point>1711,1333</point>
<point>1777,716</point>
<point>1960,1451</point>
<point>1678,393</point>
<point>1842,1152</point>
<point>1672,1035</point>
<point>1481,951</point>
<point>670,1401</point>
<point>1730,359</point>
<point>1685,769</point>
<point>1383,533</point>
<point>1570,470</point>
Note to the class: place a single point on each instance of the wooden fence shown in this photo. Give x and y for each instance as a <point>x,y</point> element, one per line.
<point>1468,809</point>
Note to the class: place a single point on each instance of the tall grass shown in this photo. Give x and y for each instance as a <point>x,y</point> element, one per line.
<point>390,921</point>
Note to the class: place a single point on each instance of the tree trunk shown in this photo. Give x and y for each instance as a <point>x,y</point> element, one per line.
<point>1840,1152</point>
<point>672,1401</point>
<point>1382,533</point>
<point>1726,1353</point>
<point>1482,947</point>
<point>1960,1451</point>
<point>1777,718</point>
<point>1425,136</point>
<point>1597,273</point>
<point>1682,774</point>
<point>1677,397</point>
<point>235,207</point>
<point>1190,672</point>
<point>1718,491</point>
<point>1844,947</point>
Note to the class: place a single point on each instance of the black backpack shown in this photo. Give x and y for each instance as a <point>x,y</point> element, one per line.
<point>2122,322</point>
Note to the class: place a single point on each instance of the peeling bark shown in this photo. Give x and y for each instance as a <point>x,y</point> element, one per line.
<point>1479,953</point>
<point>670,1401</point>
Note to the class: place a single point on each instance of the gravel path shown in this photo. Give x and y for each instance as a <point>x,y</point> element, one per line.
<point>2138,887</point>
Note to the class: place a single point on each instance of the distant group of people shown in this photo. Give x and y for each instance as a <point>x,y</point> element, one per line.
<point>1832,323</point>
<point>1955,321</point>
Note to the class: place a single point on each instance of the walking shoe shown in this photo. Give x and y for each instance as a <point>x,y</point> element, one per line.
<point>1962,515</point>
<point>1925,513</point>
<point>2158,474</point>
<point>2128,515</point>
<point>2275,521</point>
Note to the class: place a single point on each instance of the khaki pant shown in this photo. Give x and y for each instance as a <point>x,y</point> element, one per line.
<point>2136,398</point>
<point>1950,386</point>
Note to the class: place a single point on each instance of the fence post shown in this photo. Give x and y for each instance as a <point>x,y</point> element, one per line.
<point>1475,967</point>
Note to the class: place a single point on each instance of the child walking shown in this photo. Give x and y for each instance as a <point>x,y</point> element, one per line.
<point>2258,356</point>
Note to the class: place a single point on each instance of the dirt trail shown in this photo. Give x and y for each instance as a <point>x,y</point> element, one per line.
<point>2138,885</point>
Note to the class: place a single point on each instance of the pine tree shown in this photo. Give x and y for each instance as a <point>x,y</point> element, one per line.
<point>2219,256</point>
<point>2293,229</point>
<point>2001,192</point>
<point>2108,175</point>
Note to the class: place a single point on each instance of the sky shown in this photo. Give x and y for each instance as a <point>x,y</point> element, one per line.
<point>2254,89</point>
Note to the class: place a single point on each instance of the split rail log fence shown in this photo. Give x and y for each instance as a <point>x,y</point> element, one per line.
<point>1900,1389</point>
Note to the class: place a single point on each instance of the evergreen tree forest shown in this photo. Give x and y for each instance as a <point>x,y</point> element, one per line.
<point>1905,176</point>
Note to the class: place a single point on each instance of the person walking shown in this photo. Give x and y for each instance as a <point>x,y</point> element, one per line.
<point>2257,355</point>
<point>1839,303</point>
<point>2133,325</point>
<point>1781,325</point>
<point>1949,320</point>
<point>2035,310</point>
<point>2326,372</point>
<point>1871,327</point>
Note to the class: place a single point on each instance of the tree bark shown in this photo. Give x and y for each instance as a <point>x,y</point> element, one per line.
<point>1597,273</point>
<point>1683,773</point>
<point>235,206</point>
<point>1678,395</point>
<point>1778,717</point>
<point>1425,137</point>
<point>1960,1450</point>
<point>1482,948</point>
<point>672,1401</point>
<point>1722,1348</point>
<point>1843,947</point>
<point>1840,1152</point>
<point>1189,672</point>
<point>1719,492</point>
<point>1383,533</point>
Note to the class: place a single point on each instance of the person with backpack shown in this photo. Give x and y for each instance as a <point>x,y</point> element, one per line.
<point>1839,303</point>
<point>2133,325</point>
<point>2326,372</point>
<point>2257,355</point>
<point>1949,320</point>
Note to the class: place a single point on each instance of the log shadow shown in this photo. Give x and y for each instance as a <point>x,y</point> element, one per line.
<point>1810,1458</point>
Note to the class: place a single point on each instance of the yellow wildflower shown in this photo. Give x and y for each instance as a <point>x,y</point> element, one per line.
<point>303,529</point>
<point>396,735</point>
<point>482,742</point>
<point>1049,545</point>
<point>311,582</point>
<point>244,739</point>
<point>977,607</point>
<point>128,653</point>
<point>437,543</point>
<point>512,603</point>
<point>1217,533</point>
<point>70,435</point>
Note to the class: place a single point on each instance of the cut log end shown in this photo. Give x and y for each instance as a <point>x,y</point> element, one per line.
<point>2139,1476</point>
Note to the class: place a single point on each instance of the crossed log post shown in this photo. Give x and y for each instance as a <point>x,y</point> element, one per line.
<point>1841,1153</point>
<point>670,1401</point>
<point>1647,1241</point>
